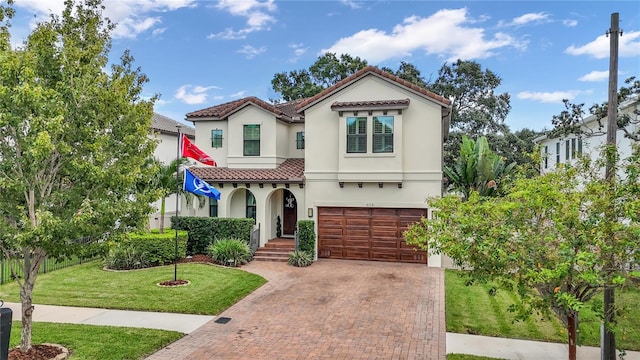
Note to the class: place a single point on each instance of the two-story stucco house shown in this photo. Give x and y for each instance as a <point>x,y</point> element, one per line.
<point>165,131</point>
<point>566,150</point>
<point>359,159</point>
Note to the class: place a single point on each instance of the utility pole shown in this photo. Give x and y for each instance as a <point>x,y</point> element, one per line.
<point>608,345</point>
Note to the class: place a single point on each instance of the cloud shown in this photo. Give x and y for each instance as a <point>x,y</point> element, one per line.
<point>416,33</point>
<point>298,50</point>
<point>536,18</point>
<point>595,76</point>
<point>193,95</point>
<point>250,52</point>
<point>132,17</point>
<point>239,94</point>
<point>548,97</point>
<point>158,31</point>
<point>350,3</point>
<point>570,22</point>
<point>628,46</point>
<point>256,13</point>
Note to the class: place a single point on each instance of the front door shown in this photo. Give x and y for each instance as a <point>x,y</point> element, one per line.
<point>289,213</point>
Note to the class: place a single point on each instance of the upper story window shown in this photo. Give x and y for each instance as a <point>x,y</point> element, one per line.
<point>557,153</point>
<point>251,137</point>
<point>356,134</point>
<point>300,140</point>
<point>566,150</point>
<point>216,138</point>
<point>382,134</point>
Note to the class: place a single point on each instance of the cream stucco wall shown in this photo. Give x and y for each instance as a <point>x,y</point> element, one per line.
<point>415,164</point>
<point>203,140</point>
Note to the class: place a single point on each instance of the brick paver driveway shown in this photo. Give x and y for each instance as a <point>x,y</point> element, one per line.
<point>334,309</point>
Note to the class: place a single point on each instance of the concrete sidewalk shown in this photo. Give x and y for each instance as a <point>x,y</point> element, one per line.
<point>184,323</point>
<point>520,349</point>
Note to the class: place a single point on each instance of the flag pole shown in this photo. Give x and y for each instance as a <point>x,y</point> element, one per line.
<point>175,259</point>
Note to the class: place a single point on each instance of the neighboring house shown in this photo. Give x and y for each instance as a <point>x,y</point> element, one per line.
<point>359,159</point>
<point>567,149</point>
<point>165,131</point>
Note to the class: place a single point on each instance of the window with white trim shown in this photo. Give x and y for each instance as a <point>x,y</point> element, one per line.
<point>382,134</point>
<point>356,134</point>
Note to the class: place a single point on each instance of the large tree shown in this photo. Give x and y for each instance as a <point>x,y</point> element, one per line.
<point>409,72</point>
<point>572,119</point>
<point>73,141</point>
<point>477,108</point>
<point>325,72</point>
<point>547,234</point>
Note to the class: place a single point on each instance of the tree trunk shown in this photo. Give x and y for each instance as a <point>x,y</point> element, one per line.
<point>30,269</point>
<point>162,215</point>
<point>27,319</point>
<point>571,331</point>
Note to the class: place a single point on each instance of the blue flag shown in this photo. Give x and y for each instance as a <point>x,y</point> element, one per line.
<point>194,184</point>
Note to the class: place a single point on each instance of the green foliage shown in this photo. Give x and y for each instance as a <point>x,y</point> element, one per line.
<point>477,169</point>
<point>307,237</point>
<point>571,120</point>
<point>408,72</point>
<point>159,248</point>
<point>230,252</point>
<point>204,231</point>
<point>300,258</point>
<point>126,257</point>
<point>73,140</point>
<point>325,72</point>
<point>547,233</point>
<point>278,226</point>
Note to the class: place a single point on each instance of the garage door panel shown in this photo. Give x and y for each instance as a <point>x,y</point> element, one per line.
<point>357,212</point>
<point>384,255</point>
<point>367,234</point>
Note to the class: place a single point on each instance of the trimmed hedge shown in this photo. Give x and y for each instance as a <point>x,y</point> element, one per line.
<point>159,249</point>
<point>307,237</point>
<point>204,231</point>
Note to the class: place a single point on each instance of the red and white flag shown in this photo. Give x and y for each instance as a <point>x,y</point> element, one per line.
<point>190,150</point>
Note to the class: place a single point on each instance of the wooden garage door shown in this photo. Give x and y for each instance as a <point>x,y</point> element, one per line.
<point>367,234</point>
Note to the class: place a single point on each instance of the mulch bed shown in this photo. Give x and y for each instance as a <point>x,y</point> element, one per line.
<point>198,258</point>
<point>37,352</point>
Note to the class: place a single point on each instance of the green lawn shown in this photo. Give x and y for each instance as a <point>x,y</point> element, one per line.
<point>212,290</point>
<point>87,342</point>
<point>468,357</point>
<point>471,310</point>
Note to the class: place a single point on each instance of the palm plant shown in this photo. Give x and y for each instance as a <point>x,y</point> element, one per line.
<point>167,183</point>
<point>477,169</point>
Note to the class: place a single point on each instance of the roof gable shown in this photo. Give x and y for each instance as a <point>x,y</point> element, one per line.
<point>285,111</point>
<point>371,70</point>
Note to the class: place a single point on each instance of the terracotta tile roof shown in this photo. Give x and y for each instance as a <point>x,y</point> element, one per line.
<point>285,111</point>
<point>370,104</point>
<point>361,73</point>
<point>291,171</point>
<point>167,125</point>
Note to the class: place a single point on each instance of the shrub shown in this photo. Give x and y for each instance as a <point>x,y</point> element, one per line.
<point>300,258</point>
<point>230,252</point>
<point>307,237</point>
<point>159,248</point>
<point>204,231</point>
<point>125,257</point>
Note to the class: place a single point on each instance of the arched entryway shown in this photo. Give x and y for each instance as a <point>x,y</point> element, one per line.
<point>289,213</point>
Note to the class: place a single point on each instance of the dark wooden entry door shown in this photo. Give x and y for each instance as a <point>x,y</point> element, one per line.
<point>289,213</point>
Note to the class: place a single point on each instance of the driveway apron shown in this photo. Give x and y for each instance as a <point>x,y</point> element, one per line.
<point>334,309</point>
